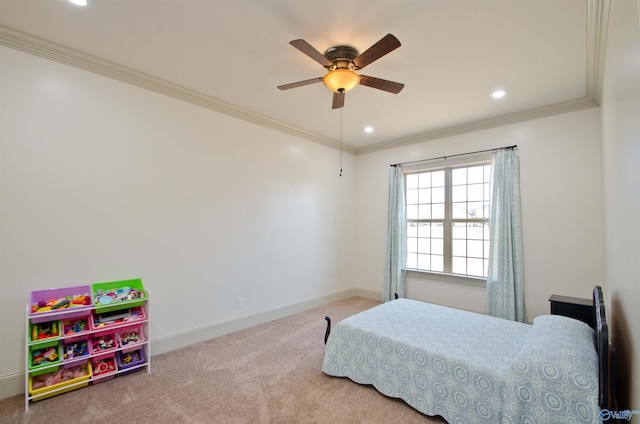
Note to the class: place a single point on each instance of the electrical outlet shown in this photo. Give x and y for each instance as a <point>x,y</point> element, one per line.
<point>239,303</point>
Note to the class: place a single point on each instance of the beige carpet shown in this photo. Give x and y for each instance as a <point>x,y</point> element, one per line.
<point>266,374</point>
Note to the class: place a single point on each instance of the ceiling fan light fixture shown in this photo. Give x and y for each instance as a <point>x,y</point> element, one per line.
<point>341,80</point>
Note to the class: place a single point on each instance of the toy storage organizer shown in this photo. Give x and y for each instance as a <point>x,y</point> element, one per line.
<point>84,335</point>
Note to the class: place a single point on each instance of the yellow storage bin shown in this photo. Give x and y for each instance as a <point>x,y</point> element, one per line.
<point>45,392</point>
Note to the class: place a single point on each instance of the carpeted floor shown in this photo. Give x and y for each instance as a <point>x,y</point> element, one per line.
<point>270,373</point>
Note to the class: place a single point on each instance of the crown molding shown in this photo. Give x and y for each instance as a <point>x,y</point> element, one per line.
<point>483,124</point>
<point>598,12</point>
<point>27,43</point>
<point>596,35</point>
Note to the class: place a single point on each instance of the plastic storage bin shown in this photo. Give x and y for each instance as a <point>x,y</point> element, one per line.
<point>103,341</point>
<point>44,331</point>
<point>130,336</point>
<point>115,295</point>
<point>76,326</point>
<point>75,348</point>
<point>107,319</point>
<point>130,359</point>
<point>77,373</point>
<point>104,367</point>
<point>62,300</point>
<point>44,354</point>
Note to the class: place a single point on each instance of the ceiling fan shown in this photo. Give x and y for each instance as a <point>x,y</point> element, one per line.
<point>342,62</point>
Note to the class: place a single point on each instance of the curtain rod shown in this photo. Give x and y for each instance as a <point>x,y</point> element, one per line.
<point>459,154</point>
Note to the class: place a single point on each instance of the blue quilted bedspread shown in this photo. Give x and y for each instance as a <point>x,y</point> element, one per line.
<point>470,368</point>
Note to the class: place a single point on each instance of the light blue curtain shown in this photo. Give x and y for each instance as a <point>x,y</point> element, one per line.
<point>505,285</point>
<point>396,264</point>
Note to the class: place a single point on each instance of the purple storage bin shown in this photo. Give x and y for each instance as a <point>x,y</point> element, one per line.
<point>130,359</point>
<point>72,311</point>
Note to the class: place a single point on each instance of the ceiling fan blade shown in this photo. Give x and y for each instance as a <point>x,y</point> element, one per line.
<point>299,83</point>
<point>310,51</point>
<point>338,100</point>
<point>381,84</point>
<point>387,44</point>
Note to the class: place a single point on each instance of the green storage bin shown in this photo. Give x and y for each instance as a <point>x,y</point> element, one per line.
<point>116,295</point>
<point>44,355</point>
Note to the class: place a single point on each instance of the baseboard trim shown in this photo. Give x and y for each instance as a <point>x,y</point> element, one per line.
<point>13,384</point>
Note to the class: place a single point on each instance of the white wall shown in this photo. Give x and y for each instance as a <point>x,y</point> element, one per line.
<point>102,181</point>
<point>561,189</point>
<point>621,153</point>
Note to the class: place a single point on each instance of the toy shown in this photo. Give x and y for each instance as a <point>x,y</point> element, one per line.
<point>115,317</point>
<point>130,357</point>
<point>74,326</point>
<point>44,330</point>
<point>104,343</point>
<point>62,303</point>
<point>75,350</point>
<point>106,297</point>
<point>103,366</point>
<point>43,356</point>
<point>60,376</point>
<point>127,338</point>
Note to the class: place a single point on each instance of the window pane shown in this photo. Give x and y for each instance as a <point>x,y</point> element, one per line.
<point>412,212</point>
<point>412,229</point>
<point>459,193</point>
<point>412,181</point>
<point>475,267</point>
<point>424,179</point>
<point>459,210</point>
<point>424,195</point>
<point>474,248</point>
<point>459,176</point>
<point>475,231</point>
<point>412,244</point>
<point>437,263</point>
<point>424,230</point>
<point>437,246</point>
<point>459,248</point>
<point>411,197</point>
<point>424,245</point>
<point>437,195</point>
<point>459,230</point>
<point>437,230</point>
<point>487,172</point>
<point>437,211</point>
<point>475,210</point>
<point>424,211</point>
<point>424,262</point>
<point>476,192</point>
<point>459,265</point>
<point>437,179</point>
<point>475,174</point>
<point>412,260</point>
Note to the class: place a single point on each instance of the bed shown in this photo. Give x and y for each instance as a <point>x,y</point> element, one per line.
<point>473,368</point>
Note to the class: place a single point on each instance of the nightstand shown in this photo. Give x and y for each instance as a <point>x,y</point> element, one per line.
<point>573,307</point>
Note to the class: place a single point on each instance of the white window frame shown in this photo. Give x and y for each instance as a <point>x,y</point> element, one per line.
<point>447,275</point>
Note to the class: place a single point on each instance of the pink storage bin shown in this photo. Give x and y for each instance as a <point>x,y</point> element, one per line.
<point>103,341</point>
<point>117,318</point>
<point>71,311</point>
<point>130,336</point>
<point>76,326</point>
<point>75,349</point>
<point>104,367</point>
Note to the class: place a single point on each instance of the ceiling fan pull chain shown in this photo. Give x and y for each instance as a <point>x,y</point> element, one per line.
<point>341,141</point>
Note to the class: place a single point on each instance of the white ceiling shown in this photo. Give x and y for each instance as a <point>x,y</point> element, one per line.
<point>230,55</point>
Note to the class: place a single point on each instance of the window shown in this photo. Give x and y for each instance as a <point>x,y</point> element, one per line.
<point>448,219</point>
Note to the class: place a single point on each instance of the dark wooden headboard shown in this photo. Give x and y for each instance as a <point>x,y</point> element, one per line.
<point>602,345</point>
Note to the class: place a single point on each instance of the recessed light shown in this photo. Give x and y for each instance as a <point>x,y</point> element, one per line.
<point>498,94</point>
<point>79,2</point>
<point>368,129</point>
